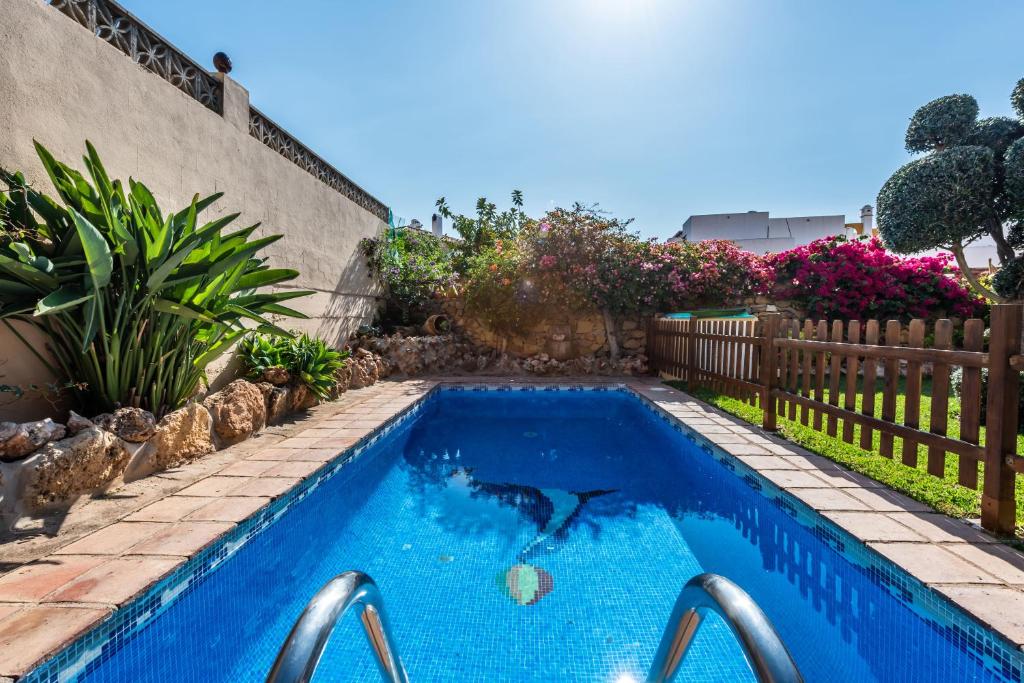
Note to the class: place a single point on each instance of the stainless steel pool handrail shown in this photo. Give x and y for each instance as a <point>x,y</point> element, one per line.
<point>298,658</point>
<point>769,658</point>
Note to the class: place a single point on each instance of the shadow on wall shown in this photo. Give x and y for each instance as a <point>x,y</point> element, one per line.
<point>19,367</point>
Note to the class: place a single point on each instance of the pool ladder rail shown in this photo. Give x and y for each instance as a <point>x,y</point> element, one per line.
<point>300,655</point>
<point>766,653</point>
<point>298,659</point>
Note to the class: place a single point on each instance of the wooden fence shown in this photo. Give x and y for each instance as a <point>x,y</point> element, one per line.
<point>814,373</point>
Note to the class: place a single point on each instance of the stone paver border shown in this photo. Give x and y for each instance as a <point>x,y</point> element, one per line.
<point>48,601</point>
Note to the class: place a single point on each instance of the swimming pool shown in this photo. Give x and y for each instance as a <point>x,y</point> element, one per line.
<point>537,535</point>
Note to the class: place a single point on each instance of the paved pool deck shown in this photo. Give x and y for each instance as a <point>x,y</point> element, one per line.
<point>84,563</point>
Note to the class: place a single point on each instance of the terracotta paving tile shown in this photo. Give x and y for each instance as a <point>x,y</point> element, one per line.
<point>271,454</point>
<point>295,469</point>
<point>170,509</point>
<point>297,442</point>
<point>115,581</point>
<point>316,432</point>
<point>30,634</point>
<point>766,462</point>
<point>937,527</point>
<point>229,509</point>
<point>999,607</point>
<point>932,564</point>
<point>337,443</point>
<point>842,478</point>
<point>29,583</point>
<point>885,500</point>
<point>246,468</point>
<point>873,526</point>
<point>213,487</point>
<point>184,538</point>
<point>744,449</point>
<point>356,432</point>
<point>271,487</point>
<point>829,499</point>
<point>723,437</point>
<point>114,539</point>
<point>808,462</point>
<point>1002,562</point>
<point>319,454</point>
<point>791,479</point>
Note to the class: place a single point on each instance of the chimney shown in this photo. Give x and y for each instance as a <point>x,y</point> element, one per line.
<point>435,225</point>
<point>867,217</point>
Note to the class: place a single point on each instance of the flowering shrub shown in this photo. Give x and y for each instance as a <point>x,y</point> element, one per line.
<point>577,257</point>
<point>414,266</point>
<point>858,279</point>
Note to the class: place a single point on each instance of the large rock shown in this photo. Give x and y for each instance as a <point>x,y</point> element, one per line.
<point>276,376</point>
<point>134,425</point>
<point>237,410</point>
<point>365,370</point>
<point>278,404</point>
<point>181,437</point>
<point>300,398</point>
<point>77,423</point>
<point>19,440</point>
<point>62,470</point>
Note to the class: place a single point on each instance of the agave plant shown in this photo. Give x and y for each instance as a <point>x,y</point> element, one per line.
<point>135,303</point>
<point>314,363</point>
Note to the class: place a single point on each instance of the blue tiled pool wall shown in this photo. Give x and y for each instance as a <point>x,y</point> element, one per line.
<point>1004,661</point>
<point>998,656</point>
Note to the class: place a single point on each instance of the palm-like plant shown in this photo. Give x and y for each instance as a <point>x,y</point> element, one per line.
<point>135,303</point>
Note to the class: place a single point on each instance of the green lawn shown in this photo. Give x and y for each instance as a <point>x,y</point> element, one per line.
<point>944,494</point>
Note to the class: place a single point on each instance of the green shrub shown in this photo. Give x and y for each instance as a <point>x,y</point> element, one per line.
<point>314,363</point>
<point>308,360</point>
<point>259,353</point>
<point>413,267</point>
<point>135,303</point>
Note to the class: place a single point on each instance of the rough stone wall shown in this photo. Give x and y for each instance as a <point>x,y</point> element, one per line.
<point>61,85</point>
<point>586,331</point>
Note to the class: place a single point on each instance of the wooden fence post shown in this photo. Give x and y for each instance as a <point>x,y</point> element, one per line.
<point>691,354</point>
<point>769,331</point>
<point>998,506</point>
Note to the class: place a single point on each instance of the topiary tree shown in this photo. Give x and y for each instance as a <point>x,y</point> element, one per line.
<point>969,184</point>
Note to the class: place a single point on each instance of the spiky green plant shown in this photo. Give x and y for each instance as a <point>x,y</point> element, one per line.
<point>135,303</point>
<point>314,363</point>
<point>261,352</point>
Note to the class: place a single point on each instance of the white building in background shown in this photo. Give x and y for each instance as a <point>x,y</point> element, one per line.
<point>757,232</point>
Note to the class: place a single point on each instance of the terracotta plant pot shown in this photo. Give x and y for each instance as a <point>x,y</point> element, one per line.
<point>437,324</point>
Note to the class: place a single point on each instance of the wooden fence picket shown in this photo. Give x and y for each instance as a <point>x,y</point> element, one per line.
<point>850,400</point>
<point>940,397</point>
<point>970,402</point>
<point>890,386</point>
<point>867,399</point>
<point>835,363</point>
<point>912,390</point>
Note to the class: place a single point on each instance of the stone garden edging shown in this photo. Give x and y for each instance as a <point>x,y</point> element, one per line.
<point>45,465</point>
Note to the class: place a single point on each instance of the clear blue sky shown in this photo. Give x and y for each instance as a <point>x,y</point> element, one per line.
<point>656,109</point>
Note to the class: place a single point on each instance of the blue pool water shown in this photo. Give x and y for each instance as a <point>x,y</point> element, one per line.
<point>543,536</point>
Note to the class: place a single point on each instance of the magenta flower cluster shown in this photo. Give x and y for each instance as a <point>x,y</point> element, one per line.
<point>837,278</point>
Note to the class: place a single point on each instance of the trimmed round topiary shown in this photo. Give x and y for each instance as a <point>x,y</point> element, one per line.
<point>942,123</point>
<point>1017,98</point>
<point>1009,280</point>
<point>996,132</point>
<point>937,201</point>
<point>1013,163</point>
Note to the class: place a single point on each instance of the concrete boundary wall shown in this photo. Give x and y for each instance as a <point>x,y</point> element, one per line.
<point>61,85</point>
